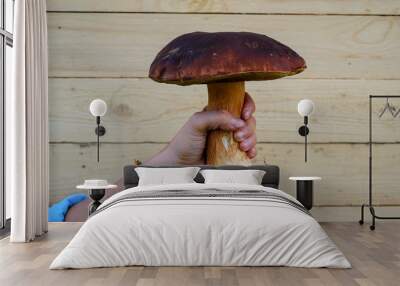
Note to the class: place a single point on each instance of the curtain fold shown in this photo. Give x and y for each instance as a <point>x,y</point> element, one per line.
<point>27,122</point>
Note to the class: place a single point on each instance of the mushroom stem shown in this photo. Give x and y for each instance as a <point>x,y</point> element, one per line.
<point>222,149</point>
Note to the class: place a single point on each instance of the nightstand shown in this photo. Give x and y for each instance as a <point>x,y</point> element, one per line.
<point>304,190</point>
<point>97,190</point>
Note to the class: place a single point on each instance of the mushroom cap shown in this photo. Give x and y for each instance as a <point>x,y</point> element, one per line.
<point>200,58</point>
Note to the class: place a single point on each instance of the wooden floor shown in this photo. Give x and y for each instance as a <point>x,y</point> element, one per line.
<point>375,257</point>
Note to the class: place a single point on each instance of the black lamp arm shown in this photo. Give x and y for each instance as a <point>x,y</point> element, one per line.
<point>100,131</point>
<point>304,131</point>
<point>305,147</point>
<point>98,137</point>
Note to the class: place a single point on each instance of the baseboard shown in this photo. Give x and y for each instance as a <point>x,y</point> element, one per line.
<point>331,214</point>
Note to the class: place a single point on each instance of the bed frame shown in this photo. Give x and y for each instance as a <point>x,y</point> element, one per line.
<point>270,179</point>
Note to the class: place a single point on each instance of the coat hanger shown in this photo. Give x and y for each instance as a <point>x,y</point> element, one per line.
<point>397,113</point>
<point>389,107</point>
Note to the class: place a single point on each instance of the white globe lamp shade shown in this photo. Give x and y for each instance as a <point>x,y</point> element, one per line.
<point>305,107</point>
<point>98,107</point>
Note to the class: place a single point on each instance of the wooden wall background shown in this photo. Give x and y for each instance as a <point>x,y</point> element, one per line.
<point>99,48</point>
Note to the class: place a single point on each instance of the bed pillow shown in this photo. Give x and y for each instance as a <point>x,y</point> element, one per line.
<point>248,177</point>
<point>165,176</point>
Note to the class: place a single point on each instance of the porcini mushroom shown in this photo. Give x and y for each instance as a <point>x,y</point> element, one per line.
<point>224,61</point>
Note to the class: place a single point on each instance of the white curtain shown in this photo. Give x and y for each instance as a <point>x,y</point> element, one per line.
<point>27,124</point>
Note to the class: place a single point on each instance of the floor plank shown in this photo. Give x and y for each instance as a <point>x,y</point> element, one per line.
<point>375,257</point>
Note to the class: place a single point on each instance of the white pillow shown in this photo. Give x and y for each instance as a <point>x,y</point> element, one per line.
<point>248,177</point>
<point>164,176</point>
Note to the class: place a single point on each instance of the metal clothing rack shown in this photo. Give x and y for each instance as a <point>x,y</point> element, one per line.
<point>370,202</point>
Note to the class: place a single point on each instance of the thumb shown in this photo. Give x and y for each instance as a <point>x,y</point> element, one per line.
<point>217,119</point>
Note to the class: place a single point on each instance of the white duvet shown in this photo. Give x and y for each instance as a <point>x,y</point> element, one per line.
<point>200,231</point>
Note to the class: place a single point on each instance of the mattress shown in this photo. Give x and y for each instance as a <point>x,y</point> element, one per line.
<point>201,225</point>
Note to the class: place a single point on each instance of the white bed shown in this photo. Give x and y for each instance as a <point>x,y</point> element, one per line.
<point>205,230</point>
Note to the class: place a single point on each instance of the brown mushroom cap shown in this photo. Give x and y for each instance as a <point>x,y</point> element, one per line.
<point>199,57</point>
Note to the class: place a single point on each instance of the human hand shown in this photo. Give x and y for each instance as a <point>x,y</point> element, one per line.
<point>189,144</point>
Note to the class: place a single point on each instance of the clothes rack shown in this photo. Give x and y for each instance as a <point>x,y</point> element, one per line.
<point>370,204</point>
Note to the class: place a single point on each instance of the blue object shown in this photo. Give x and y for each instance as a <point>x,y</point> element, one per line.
<point>58,210</point>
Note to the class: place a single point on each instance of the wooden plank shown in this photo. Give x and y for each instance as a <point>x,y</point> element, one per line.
<point>369,7</point>
<point>344,168</point>
<point>70,164</point>
<point>374,257</point>
<point>124,44</point>
<point>141,110</point>
<point>352,214</point>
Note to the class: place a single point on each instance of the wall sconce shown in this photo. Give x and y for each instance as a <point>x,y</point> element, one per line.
<point>98,108</point>
<point>305,108</point>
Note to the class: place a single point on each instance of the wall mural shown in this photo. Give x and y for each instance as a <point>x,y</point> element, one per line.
<point>107,56</point>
